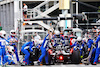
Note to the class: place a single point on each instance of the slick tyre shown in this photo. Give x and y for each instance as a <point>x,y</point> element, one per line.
<point>75,58</point>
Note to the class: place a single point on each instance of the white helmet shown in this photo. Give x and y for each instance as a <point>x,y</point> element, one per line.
<point>99,27</point>
<point>65,34</point>
<point>13,32</point>
<point>2,33</point>
<point>89,37</point>
<point>98,31</point>
<point>79,39</point>
<point>85,39</point>
<point>10,49</point>
<point>57,32</point>
<point>73,41</point>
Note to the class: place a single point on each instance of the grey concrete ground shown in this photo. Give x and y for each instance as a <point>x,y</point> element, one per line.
<point>67,65</point>
<point>57,65</point>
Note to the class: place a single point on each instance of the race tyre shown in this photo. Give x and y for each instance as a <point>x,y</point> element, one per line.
<point>51,61</point>
<point>75,58</point>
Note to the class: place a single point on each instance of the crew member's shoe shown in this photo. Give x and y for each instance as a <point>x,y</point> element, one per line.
<point>47,64</point>
<point>19,63</point>
<point>23,64</point>
<point>39,63</point>
<point>94,63</point>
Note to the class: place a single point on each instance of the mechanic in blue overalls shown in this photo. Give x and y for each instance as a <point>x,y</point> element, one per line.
<point>13,42</point>
<point>97,42</point>
<point>79,44</point>
<point>24,49</point>
<point>58,40</point>
<point>8,58</point>
<point>44,47</point>
<point>0,52</point>
<point>3,44</point>
<point>89,44</point>
<point>66,39</point>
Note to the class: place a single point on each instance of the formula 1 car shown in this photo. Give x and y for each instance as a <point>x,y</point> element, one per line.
<point>63,55</point>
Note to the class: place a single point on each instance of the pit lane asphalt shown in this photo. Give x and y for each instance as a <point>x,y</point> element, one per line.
<point>59,65</point>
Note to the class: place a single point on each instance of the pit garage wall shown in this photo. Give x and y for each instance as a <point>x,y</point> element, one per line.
<point>9,13</point>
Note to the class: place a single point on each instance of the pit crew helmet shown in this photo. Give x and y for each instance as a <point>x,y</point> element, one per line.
<point>65,34</point>
<point>99,27</point>
<point>13,32</point>
<point>11,49</point>
<point>98,31</point>
<point>79,39</point>
<point>89,37</point>
<point>2,33</point>
<point>57,32</point>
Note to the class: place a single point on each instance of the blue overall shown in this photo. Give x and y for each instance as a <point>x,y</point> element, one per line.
<point>89,44</point>
<point>38,46</point>
<point>0,54</point>
<point>8,37</point>
<point>66,41</point>
<point>15,47</point>
<point>43,48</point>
<point>58,40</point>
<point>2,49</point>
<point>76,44</point>
<point>8,58</point>
<point>26,52</point>
<point>62,40</point>
<point>97,49</point>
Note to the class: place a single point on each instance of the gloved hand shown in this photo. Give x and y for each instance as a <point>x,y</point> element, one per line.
<point>30,52</point>
<point>94,43</point>
<point>14,45</point>
<point>47,49</point>
<point>88,49</point>
<point>70,46</point>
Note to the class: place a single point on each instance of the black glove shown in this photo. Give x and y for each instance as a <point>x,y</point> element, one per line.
<point>70,46</point>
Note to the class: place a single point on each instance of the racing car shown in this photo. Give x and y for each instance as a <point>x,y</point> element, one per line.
<point>64,54</point>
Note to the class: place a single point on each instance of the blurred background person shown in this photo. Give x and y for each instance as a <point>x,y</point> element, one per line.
<point>37,38</point>
<point>25,10</point>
